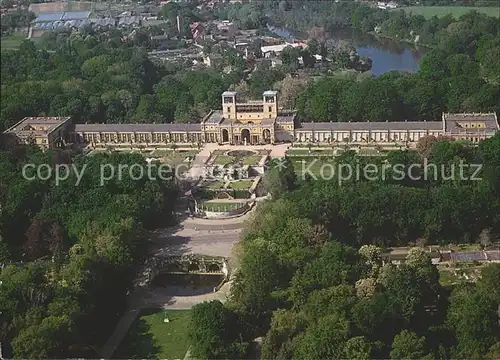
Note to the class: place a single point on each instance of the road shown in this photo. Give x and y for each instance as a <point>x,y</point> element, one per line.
<point>205,242</point>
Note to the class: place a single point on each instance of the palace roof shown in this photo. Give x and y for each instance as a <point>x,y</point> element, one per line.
<point>364,126</point>
<point>467,122</point>
<point>36,125</point>
<point>214,117</point>
<point>131,128</point>
<point>286,117</point>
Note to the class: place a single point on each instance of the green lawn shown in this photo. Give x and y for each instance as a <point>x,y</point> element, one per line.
<point>213,184</point>
<point>241,184</point>
<point>469,247</point>
<point>456,11</point>
<point>220,206</point>
<point>227,159</point>
<point>223,160</point>
<point>151,338</point>
<point>251,160</point>
<point>174,158</point>
<point>161,153</point>
<point>447,277</point>
<point>13,42</point>
<point>169,153</point>
<point>313,152</point>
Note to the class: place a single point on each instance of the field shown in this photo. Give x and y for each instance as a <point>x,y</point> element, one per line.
<point>151,338</point>
<point>173,158</point>
<point>456,11</point>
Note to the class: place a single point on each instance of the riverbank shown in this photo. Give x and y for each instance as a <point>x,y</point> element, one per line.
<point>402,41</point>
<point>386,54</point>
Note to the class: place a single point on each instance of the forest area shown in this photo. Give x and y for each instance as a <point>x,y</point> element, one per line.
<point>313,284</point>
<point>70,250</point>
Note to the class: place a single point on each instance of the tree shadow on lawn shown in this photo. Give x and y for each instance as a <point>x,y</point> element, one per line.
<point>139,343</point>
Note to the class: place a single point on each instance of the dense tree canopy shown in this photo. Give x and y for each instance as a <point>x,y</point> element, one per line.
<point>100,80</point>
<point>304,287</point>
<point>68,249</point>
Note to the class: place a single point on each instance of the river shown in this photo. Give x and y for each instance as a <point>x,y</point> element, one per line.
<point>386,54</point>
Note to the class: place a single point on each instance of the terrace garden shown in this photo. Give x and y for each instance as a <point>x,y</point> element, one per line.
<point>319,151</point>
<point>233,184</point>
<point>240,185</point>
<point>220,206</point>
<point>220,189</point>
<point>213,184</point>
<point>242,157</point>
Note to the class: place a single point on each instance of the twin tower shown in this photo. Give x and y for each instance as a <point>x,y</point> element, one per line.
<point>251,112</point>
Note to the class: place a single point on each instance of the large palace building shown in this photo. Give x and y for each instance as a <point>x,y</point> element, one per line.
<point>252,122</point>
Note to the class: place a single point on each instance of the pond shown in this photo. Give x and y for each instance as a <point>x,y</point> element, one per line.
<point>386,54</point>
<point>187,284</point>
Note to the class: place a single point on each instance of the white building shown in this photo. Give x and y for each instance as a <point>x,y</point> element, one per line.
<point>268,51</point>
<point>388,6</point>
